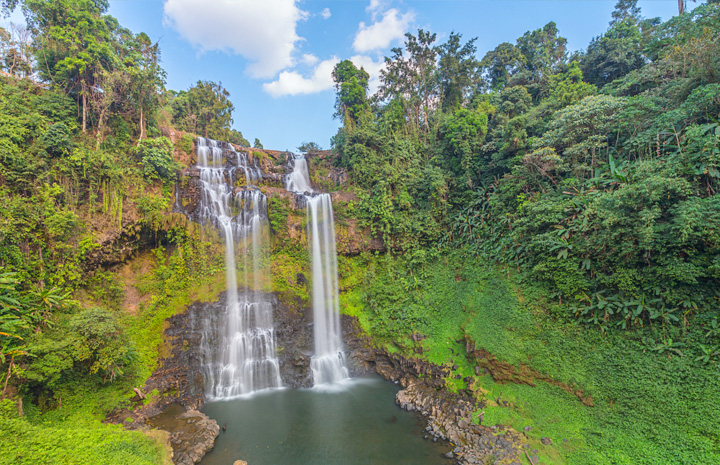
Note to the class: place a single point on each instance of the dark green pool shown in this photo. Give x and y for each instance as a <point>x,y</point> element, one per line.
<point>357,424</point>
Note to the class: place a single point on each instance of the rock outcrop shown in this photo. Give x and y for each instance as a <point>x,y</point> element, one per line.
<point>449,418</point>
<point>504,372</point>
<point>192,433</point>
<point>448,414</point>
<point>172,396</point>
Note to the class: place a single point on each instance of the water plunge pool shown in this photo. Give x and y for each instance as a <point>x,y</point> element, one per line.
<point>355,423</point>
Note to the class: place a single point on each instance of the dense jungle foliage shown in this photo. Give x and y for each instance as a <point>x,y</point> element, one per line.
<point>85,164</point>
<point>560,211</point>
<point>595,172</point>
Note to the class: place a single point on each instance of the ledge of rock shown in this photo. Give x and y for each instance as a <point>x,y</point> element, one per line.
<point>192,433</point>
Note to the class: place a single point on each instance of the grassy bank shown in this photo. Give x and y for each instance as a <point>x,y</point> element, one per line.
<point>653,402</point>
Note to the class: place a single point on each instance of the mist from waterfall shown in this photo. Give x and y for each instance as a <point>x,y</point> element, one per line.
<point>328,362</point>
<point>238,345</point>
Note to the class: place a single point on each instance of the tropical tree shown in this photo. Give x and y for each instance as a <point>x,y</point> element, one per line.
<point>500,64</point>
<point>411,79</point>
<point>458,70</point>
<point>351,84</point>
<point>204,109</point>
<point>544,51</point>
<point>16,50</point>
<point>73,45</point>
<point>615,53</point>
<point>626,10</point>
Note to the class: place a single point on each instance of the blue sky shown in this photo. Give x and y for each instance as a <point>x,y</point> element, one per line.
<point>275,56</point>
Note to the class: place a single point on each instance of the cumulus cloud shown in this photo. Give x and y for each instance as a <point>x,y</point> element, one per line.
<point>381,33</point>
<point>264,32</point>
<point>372,67</point>
<point>309,59</point>
<point>294,83</point>
<point>326,13</point>
<point>375,6</point>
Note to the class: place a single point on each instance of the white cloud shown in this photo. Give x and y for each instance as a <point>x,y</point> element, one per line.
<point>372,67</point>
<point>326,13</point>
<point>380,34</point>
<point>294,83</point>
<point>261,31</point>
<point>374,6</point>
<point>309,59</point>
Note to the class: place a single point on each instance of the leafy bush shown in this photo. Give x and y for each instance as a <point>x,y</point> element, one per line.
<point>56,141</point>
<point>157,160</point>
<point>186,143</point>
<point>309,147</point>
<point>89,343</point>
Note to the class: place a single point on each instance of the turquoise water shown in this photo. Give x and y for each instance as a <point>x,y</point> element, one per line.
<point>357,423</point>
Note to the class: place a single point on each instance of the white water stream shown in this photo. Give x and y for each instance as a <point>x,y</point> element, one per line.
<point>328,363</point>
<point>238,347</point>
<point>298,181</point>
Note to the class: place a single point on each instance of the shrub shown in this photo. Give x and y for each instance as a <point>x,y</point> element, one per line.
<point>186,143</point>
<point>56,141</point>
<point>157,160</point>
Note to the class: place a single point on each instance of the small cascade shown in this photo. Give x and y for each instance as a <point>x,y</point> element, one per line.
<point>298,180</point>
<point>238,345</point>
<point>328,363</point>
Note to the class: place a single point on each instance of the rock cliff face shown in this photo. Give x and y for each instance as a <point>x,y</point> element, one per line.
<point>294,332</point>
<point>178,381</point>
<point>178,385</point>
<point>180,376</point>
<point>351,238</point>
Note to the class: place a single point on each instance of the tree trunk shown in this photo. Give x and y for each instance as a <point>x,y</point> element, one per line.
<point>101,129</point>
<point>84,111</point>
<point>681,6</point>
<point>142,124</point>
<point>9,373</point>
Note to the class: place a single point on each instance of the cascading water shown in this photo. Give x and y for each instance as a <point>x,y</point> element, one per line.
<point>328,363</point>
<point>238,345</point>
<point>298,180</point>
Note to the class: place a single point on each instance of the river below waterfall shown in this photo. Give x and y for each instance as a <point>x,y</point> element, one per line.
<point>356,424</point>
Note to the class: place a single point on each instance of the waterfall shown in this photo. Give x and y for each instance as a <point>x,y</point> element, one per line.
<point>298,180</point>
<point>238,345</point>
<point>328,363</point>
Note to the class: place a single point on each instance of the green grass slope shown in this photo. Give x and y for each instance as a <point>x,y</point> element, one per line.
<point>651,406</point>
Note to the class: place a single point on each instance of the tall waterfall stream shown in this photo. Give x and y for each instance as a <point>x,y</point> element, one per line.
<point>238,346</point>
<point>355,424</point>
<point>328,362</point>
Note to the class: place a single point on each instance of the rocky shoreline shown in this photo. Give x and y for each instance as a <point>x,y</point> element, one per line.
<point>448,414</point>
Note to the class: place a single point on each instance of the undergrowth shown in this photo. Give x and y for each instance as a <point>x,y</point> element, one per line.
<point>650,406</point>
